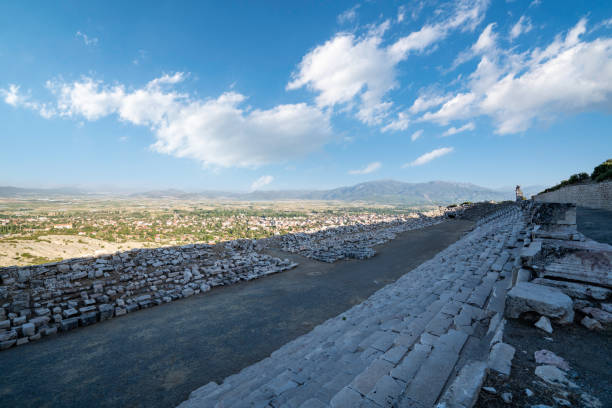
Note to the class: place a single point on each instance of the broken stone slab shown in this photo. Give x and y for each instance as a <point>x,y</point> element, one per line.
<point>576,290</point>
<point>544,300</point>
<point>591,324</point>
<point>549,358</point>
<point>529,252</point>
<point>600,315</point>
<point>580,265</point>
<point>464,390</point>
<point>500,359</point>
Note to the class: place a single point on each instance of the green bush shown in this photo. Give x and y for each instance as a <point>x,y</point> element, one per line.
<point>601,170</point>
<point>578,178</point>
<point>604,176</point>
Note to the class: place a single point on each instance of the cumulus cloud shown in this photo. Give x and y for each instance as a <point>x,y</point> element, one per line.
<point>427,157</point>
<point>370,168</point>
<point>359,71</point>
<point>86,39</point>
<point>217,131</point>
<point>569,76</point>
<point>522,26</point>
<point>453,130</point>
<point>416,135</point>
<point>261,182</point>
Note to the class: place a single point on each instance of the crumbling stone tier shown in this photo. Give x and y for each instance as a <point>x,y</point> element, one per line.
<point>409,345</point>
<point>355,241</point>
<point>431,338</point>
<point>41,300</point>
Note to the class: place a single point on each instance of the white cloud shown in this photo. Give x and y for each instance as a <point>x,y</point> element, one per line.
<point>486,40</point>
<point>218,131</point>
<point>567,77</point>
<point>401,13</point>
<point>142,55</point>
<point>359,71</point>
<point>261,182</point>
<point>521,27</point>
<point>426,101</point>
<point>416,135</point>
<point>348,16</point>
<point>427,157</point>
<point>11,95</point>
<point>453,130</point>
<point>458,107</point>
<point>86,39</point>
<point>370,168</point>
<point>400,123</point>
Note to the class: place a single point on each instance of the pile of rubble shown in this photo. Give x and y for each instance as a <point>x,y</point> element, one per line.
<point>564,276</point>
<point>38,301</point>
<point>355,241</point>
<point>41,300</point>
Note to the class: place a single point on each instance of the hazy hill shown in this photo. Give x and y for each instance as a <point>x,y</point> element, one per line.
<point>380,191</point>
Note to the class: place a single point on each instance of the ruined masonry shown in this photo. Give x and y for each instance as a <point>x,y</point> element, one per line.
<point>408,345</point>
<point>37,301</point>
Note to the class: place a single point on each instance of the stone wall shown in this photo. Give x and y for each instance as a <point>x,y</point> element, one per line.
<point>595,195</point>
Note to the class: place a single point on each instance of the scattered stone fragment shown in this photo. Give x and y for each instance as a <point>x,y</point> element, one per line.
<point>528,392</point>
<point>591,324</point>
<point>507,397</point>
<point>590,401</point>
<point>562,402</point>
<point>550,358</point>
<point>553,375</point>
<point>544,324</point>
<point>500,359</point>
<point>607,307</point>
<point>490,390</point>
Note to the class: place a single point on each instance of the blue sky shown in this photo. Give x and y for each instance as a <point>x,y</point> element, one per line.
<point>278,95</point>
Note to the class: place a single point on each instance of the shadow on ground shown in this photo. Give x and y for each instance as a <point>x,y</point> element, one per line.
<point>156,357</point>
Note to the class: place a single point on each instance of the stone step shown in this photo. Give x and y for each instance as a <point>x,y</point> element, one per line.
<point>429,381</point>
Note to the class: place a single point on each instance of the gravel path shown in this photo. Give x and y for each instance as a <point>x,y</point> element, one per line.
<point>156,357</point>
<point>595,224</point>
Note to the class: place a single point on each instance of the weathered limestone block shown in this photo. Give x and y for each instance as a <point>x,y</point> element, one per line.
<point>69,324</point>
<point>106,311</point>
<point>576,290</point>
<point>88,318</point>
<point>464,390</point>
<point>585,266</point>
<point>547,301</point>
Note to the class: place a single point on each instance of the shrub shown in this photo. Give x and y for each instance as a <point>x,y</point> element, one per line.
<point>578,178</point>
<point>601,170</point>
<point>604,176</point>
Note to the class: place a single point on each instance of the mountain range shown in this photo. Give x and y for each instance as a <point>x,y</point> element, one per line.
<point>380,192</point>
